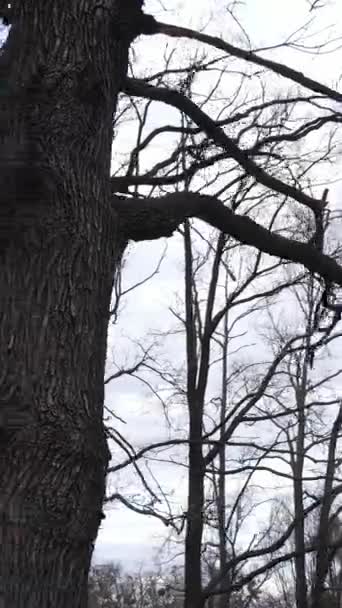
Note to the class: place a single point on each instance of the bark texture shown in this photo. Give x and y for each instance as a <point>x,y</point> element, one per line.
<point>60,74</point>
<point>61,235</point>
<point>151,218</point>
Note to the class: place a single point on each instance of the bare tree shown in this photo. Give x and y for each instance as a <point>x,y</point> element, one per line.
<point>63,231</point>
<point>304,420</point>
<point>110,587</point>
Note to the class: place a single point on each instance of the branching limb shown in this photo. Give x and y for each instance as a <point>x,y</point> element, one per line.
<point>142,510</point>
<point>153,218</point>
<point>136,87</point>
<point>247,55</point>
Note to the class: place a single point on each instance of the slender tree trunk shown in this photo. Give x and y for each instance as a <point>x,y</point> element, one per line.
<point>224,598</point>
<point>301,380</point>
<point>300,568</point>
<point>194,531</point>
<point>60,73</point>
<point>298,468</point>
<point>323,536</point>
<point>194,526</point>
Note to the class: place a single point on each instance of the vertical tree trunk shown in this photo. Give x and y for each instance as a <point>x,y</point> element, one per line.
<point>194,524</point>
<point>60,74</point>
<point>300,567</point>
<point>194,530</point>
<point>298,470</point>
<point>323,535</point>
<point>223,598</point>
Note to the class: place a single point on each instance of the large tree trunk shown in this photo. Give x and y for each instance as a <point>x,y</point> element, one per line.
<point>60,76</point>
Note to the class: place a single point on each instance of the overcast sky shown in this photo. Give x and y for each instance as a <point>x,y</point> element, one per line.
<point>124,535</point>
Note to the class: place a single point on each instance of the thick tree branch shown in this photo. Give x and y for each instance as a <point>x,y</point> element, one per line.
<point>136,87</point>
<point>250,56</point>
<point>153,218</point>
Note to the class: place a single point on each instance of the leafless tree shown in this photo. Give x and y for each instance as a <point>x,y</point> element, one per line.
<point>63,231</point>
<point>110,587</point>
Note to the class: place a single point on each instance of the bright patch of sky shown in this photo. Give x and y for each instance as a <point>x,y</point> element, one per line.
<point>262,23</point>
<point>125,536</point>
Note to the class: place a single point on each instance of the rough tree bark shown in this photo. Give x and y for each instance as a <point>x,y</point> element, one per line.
<point>61,72</point>
<point>61,235</point>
